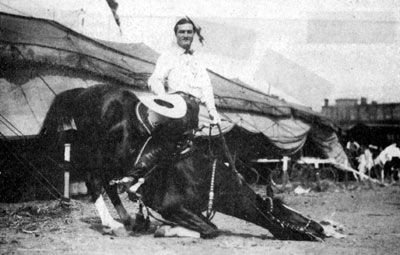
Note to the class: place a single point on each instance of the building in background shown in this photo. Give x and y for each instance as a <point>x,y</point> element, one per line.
<point>376,124</point>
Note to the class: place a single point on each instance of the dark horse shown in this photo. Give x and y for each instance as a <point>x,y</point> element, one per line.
<point>108,138</point>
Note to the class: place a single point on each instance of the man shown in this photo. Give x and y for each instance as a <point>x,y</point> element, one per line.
<point>365,161</point>
<point>179,71</point>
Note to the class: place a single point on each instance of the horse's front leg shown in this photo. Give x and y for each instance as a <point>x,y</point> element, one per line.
<point>95,186</point>
<point>112,193</point>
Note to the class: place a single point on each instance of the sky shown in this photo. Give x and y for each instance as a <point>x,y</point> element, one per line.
<point>301,50</point>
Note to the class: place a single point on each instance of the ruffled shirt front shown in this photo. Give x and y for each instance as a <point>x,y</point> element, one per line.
<point>177,71</point>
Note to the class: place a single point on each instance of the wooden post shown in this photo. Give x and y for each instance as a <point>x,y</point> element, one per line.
<point>67,157</point>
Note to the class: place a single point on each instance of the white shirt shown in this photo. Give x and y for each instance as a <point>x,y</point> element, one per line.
<point>366,160</point>
<point>182,72</point>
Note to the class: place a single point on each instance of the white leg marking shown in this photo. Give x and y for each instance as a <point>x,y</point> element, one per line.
<point>168,231</point>
<point>106,219</point>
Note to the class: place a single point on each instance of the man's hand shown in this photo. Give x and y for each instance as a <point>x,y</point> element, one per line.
<point>214,116</point>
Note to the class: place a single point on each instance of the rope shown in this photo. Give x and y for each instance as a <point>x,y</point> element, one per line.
<point>43,180</point>
<point>43,80</point>
<point>17,155</point>
<point>13,126</point>
<point>14,9</point>
<point>29,105</point>
<point>9,128</point>
<point>45,83</point>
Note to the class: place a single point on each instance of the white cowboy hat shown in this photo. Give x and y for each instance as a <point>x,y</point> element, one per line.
<point>172,106</point>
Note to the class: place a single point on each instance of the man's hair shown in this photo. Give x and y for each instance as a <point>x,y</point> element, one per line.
<point>184,21</point>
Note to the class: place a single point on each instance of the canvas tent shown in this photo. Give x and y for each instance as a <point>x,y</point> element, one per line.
<point>40,58</point>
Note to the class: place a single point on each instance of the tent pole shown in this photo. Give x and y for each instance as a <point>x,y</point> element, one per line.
<point>285,166</point>
<point>67,157</point>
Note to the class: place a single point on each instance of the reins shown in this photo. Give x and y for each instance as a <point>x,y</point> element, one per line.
<point>210,210</point>
<point>142,149</point>
<point>229,157</point>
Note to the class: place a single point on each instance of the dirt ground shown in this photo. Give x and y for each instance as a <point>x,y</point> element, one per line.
<point>369,213</point>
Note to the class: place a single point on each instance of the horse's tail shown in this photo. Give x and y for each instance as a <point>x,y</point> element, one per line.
<point>59,115</point>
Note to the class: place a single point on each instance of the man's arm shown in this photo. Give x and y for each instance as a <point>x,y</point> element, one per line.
<point>208,96</point>
<point>208,93</point>
<point>158,78</point>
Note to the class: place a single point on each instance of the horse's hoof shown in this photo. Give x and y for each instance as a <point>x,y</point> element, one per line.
<point>141,223</point>
<point>120,232</point>
<point>129,223</point>
<point>160,232</point>
<point>210,234</point>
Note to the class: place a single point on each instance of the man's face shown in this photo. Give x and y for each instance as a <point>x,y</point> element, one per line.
<point>184,35</point>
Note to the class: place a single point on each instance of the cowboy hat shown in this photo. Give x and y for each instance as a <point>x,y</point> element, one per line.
<point>172,106</point>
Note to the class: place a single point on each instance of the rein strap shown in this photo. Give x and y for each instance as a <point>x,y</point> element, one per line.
<point>210,210</point>
<point>229,156</point>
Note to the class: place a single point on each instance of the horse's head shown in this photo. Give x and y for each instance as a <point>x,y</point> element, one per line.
<point>288,224</point>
